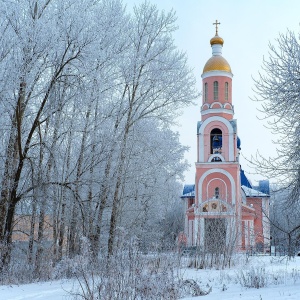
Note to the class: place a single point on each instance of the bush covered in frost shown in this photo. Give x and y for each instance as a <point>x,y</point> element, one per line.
<point>253,278</point>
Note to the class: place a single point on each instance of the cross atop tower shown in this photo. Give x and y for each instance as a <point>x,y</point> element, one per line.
<point>217,23</point>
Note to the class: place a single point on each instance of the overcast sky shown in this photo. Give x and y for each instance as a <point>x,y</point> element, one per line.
<point>247,28</point>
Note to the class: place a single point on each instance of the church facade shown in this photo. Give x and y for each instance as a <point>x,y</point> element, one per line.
<point>222,207</point>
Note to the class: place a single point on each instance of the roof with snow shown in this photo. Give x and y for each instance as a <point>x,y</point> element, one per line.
<point>253,193</point>
<point>188,191</point>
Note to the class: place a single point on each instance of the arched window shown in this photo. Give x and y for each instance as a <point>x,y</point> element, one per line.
<point>205,91</point>
<point>216,141</point>
<point>216,90</point>
<point>217,192</point>
<point>226,91</point>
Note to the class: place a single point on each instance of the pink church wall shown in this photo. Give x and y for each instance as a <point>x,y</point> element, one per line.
<point>223,115</point>
<point>216,180</point>
<point>256,203</point>
<point>210,91</point>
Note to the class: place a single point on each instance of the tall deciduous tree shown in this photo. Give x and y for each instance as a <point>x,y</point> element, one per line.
<point>277,86</point>
<point>285,224</point>
<point>46,41</point>
<point>88,93</point>
<point>155,82</point>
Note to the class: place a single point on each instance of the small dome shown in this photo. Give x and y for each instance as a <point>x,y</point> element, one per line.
<point>217,63</point>
<point>216,40</point>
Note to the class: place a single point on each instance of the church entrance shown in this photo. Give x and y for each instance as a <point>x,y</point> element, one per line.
<point>215,235</point>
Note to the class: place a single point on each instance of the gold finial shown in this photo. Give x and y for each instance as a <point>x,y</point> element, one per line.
<point>217,23</point>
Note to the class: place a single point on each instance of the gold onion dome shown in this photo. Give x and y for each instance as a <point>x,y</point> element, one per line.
<point>217,63</point>
<point>217,40</point>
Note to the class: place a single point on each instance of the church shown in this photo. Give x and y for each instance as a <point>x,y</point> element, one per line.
<point>222,207</point>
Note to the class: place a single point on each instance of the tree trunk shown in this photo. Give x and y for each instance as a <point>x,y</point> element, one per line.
<point>116,197</point>
<point>31,233</point>
<point>40,240</point>
<point>73,231</point>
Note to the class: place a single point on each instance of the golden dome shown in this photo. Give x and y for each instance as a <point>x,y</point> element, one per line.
<point>216,40</point>
<point>217,63</point>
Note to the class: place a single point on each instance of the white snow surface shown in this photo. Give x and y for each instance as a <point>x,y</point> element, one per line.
<point>282,277</point>
<point>55,290</point>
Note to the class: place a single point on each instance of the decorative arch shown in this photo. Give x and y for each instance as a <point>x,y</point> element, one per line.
<point>215,104</point>
<point>221,180</point>
<point>205,106</point>
<point>228,106</point>
<point>208,121</point>
<point>216,111</point>
<point>224,172</point>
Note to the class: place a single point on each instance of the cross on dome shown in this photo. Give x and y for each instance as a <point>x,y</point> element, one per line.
<point>217,62</point>
<point>217,23</point>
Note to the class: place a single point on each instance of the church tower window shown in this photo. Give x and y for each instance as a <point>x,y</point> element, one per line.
<point>226,91</point>
<point>217,192</point>
<point>216,141</point>
<point>205,92</point>
<point>216,90</point>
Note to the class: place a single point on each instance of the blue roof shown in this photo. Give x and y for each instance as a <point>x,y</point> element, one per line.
<point>188,191</point>
<point>263,186</point>
<point>244,179</point>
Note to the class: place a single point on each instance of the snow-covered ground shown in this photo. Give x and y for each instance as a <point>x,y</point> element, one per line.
<point>281,277</point>
<point>55,290</point>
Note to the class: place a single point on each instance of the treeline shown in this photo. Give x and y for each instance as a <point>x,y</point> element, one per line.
<point>88,92</point>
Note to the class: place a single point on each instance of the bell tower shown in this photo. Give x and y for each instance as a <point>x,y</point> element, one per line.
<point>224,212</point>
<point>217,185</point>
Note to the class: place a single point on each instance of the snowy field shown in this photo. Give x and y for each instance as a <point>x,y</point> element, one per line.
<point>280,277</point>
<point>281,280</point>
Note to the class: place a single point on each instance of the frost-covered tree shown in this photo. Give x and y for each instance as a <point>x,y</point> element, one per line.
<point>156,81</point>
<point>52,65</point>
<point>88,93</point>
<point>285,224</point>
<point>151,189</point>
<point>277,86</point>
<point>43,44</point>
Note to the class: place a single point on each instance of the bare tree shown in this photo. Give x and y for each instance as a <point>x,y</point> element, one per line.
<point>39,65</point>
<point>156,82</point>
<point>277,86</point>
<point>285,224</point>
<point>87,100</point>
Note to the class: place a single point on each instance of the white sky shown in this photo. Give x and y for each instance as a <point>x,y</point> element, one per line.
<point>247,27</point>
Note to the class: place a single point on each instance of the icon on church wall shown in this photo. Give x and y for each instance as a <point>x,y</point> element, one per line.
<point>224,208</point>
<point>214,206</point>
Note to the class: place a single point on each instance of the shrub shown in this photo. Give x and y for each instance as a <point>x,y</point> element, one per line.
<point>253,278</point>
